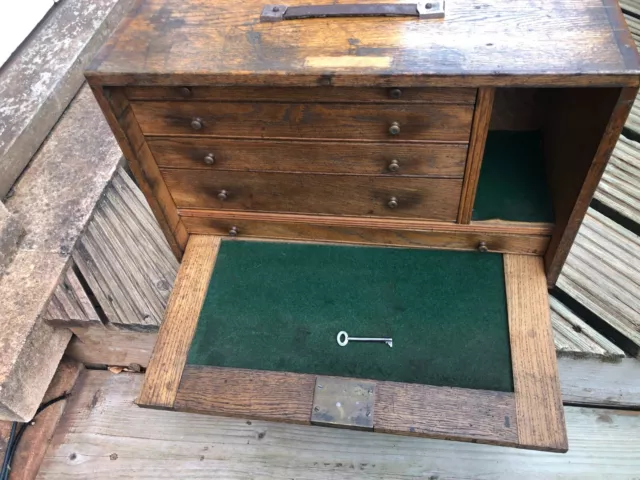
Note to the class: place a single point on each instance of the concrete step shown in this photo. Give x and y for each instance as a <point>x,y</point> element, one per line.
<point>47,209</point>
<point>54,200</point>
<point>43,75</point>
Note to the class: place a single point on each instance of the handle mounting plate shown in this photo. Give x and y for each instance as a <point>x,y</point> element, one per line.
<point>421,9</point>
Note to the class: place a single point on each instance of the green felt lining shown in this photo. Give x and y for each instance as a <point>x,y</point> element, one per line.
<point>512,184</point>
<point>279,306</point>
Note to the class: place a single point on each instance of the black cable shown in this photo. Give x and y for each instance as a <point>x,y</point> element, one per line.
<point>4,473</point>
<point>14,439</point>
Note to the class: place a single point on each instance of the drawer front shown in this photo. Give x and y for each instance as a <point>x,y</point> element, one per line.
<point>434,159</point>
<point>306,94</point>
<point>296,120</point>
<point>429,198</point>
<point>290,230</point>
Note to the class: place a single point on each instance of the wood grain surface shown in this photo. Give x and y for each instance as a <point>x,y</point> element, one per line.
<point>109,435</point>
<point>235,392</point>
<point>539,412</point>
<point>307,120</point>
<point>498,227</point>
<point>515,109</point>
<point>433,159</point>
<point>180,320</point>
<point>479,131</point>
<point>418,237</point>
<point>124,258</point>
<point>305,94</point>
<point>70,305</point>
<point>109,346</point>
<point>444,412</point>
<point>479,42</point>
<point>602,272</point>
<point>429,198</point>
<point>118,113</point>
<point>580,133</point>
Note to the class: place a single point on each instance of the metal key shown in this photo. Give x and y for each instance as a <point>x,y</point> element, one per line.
<point>343,338</point>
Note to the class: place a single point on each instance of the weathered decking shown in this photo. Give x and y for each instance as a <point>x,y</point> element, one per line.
<point>103,434</point>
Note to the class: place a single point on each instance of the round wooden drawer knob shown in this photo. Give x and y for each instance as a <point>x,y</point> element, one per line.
<point>395,93</point>
<point>223,195</point>
<point>394,166</point>
<point>394,129</point>
<point>196,123</point>
<point>209,159</point>
<point>482,247</point>
<point>393,202</point>
<point>233,231</point>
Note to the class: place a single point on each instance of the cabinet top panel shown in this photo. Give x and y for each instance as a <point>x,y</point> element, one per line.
<point>478,42</point>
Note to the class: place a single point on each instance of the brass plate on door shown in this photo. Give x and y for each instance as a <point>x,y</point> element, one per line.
<point>343,403</point>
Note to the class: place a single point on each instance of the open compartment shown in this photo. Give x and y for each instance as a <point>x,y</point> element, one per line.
<point>543,155</point>
<point>540,145</point>
<point>251,326</point>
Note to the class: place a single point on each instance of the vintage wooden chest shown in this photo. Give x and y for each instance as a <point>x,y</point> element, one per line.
<point>471,134</point>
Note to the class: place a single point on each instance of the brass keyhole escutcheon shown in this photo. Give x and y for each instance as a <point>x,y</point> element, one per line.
<point>394,166</point>
<point>394,129</point>
<point>393,202</point>
<point>223,195</point>
<point>209,159</point>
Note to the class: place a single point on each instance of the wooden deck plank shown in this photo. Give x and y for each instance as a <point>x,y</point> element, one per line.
<point>596,383</point>
<point>125,258</point>
<point>603,273</point>
<point>632,6</point>
<point>574,338</point>
<point>70,305</point>
<point>104,435</point>
<point>619,188</point>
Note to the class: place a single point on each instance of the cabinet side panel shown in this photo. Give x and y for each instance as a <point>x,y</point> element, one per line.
<point>580,129</point>
<point>123,123</point>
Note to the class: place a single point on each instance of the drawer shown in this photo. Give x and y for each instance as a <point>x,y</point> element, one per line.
<point>296,120</point>
<point>430,198</point>
<point>360,231</point>
<point>250,331</point>
<point>306,94</point>
<point>395,159</point>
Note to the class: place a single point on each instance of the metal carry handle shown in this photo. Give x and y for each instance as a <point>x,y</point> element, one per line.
<point>426,9</point>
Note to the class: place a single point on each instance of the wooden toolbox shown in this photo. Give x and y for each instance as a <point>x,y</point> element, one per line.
<point>281,147</point>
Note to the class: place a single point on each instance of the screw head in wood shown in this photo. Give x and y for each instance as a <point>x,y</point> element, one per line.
<point>196,123</point>
<point>394,129</point>
<point>209,159</point>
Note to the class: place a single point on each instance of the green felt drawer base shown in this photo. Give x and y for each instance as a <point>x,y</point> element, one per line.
<point>278,306</point>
